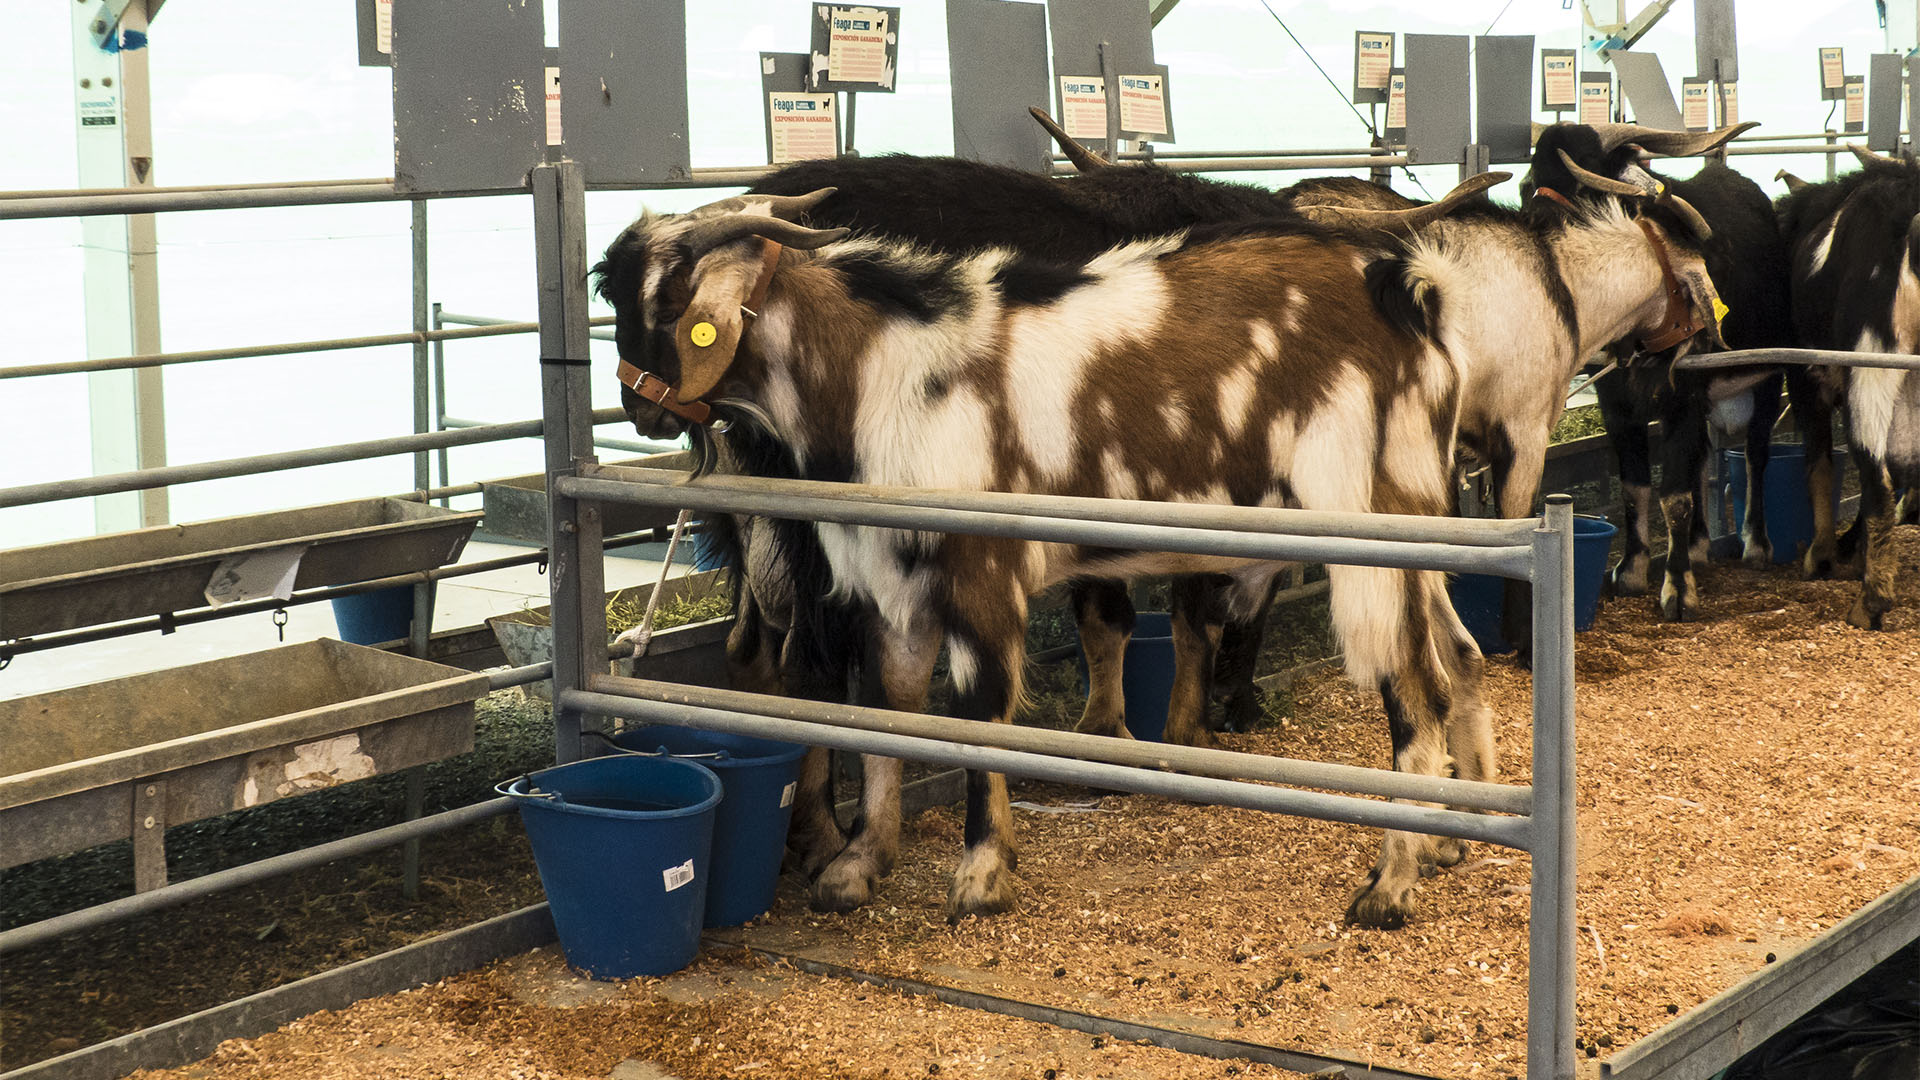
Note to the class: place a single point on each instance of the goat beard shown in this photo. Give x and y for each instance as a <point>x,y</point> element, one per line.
<point>740,440</point>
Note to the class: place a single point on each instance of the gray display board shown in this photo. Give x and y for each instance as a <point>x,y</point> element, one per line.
<point>999,63</point>
<point>1854,100</point>
<point>1559,80</point>
<point>1883,102</point>
<point>1503,106</point>
<point>863,39</point>
<point>1438,128</point>
<point>1394,128</point>
<point>468,98</point>
<point>1372,66</point>
<point>1715,55</point>
<point>623,90</point>
<point>1833,78</point>
<point>1644,82</point>
<point>1696,103</point>
<point>1596,97</point>
<point>373,19</point>
<point>1079,27</point>
<point>783,73</point>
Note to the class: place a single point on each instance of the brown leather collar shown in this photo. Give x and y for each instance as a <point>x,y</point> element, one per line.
<point>1680,321</point>
<point>660,391</point>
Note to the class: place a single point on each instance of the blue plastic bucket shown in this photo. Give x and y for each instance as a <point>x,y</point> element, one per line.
<point>1789,509</point>
<point>1146,675</point>
<point>377,617</point>
<point>1478,598</point>
<point>622,845</point>
<point>750,828</point>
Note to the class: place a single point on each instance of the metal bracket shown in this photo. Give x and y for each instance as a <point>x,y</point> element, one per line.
<point>149,835</point>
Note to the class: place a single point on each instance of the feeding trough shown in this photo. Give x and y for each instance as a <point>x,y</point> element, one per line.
<point>96,763</point>
<point>516,506</point>
<point>168,568</point>
<point>694,653</point>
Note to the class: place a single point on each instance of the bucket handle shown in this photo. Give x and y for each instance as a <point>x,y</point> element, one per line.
<point>618,749</point>
<point>505,787</point>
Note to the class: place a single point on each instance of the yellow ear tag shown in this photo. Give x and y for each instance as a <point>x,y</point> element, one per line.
<point>1719,311</point>
<point>703,334</point>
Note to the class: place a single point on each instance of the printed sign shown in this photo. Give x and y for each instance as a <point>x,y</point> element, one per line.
<point>676,876</point>
<point>804,126</point>
<point>101,111</point>
<point>1832,76</point>
<point>1696,104</point>
<point>1397,104</point>
<point>1729,104</point>
<point>854,48</point>
<point>1596,97</point>
<point>1372,65</point>
<point>1083,106</point>
<point>1559,82</point>
<point>1143,105</point>
<point>1856,107</point>
<point>252,575</point>
<point>383,26</point>
<point>786,794</point>
<point>552,83</point>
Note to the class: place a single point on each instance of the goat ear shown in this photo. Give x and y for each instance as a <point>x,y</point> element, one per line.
<point>708,333</point>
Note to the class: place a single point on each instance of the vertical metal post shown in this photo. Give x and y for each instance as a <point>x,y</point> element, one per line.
<point>440,400</point>
<point>422,461</point>
<point>1110,76</point>
<point>574,571</point>
<point>851,108</point>
<point>1832,138</point>
<point>410,850</point>
<point>149,835</point>
<point>1551,930</point>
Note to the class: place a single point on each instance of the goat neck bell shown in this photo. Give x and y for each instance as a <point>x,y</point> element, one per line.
<point>703,335</point>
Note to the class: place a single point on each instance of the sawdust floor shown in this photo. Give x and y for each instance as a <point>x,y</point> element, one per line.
<point>1745,783</point>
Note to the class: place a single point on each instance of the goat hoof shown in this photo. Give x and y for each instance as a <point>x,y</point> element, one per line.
<point>1677,608</point>
<point>1627,584</point>
<point>1815,566</point>
<point>1448,851</point>
<point>1115,729</point>
<point>1374,907</point>
<point>1757,556</point>
<point>845,884</point>
<point>812,854</point>
<point>983,884</point>
<point>1866,619</point>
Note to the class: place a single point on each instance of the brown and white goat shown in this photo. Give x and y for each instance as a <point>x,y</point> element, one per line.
<point>1195,369</point>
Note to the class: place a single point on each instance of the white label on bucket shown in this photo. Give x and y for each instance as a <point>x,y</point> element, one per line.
<point>786,795</point>
<point>676,876</point>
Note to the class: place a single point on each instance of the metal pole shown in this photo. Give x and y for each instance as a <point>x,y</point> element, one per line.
<point>1551,929</point>
<point>575,571</point>
<point>440,401</point>
<point>420,627</point>
<point>422,313</point>
<point>1833,140</point>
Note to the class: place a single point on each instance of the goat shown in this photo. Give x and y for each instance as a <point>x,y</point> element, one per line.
<point>1747,263</point>
<point>1856,287</point>
<point>874,360</point>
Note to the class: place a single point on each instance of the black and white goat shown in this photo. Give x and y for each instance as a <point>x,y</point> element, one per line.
<point>1747,262</point>
<point>1856,287</point>
<point>878,361</point>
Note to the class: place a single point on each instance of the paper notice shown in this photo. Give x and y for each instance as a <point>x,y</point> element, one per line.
<point>803,126</point>
<point>1856,104</point>
<point>553,106</point>
<point>1557,73</point>
<point>252,575</point>
<point>857,46</point>
<point>1831,77</point>
<point>1397,101</point>
<point>1143,105</point>
<point>383,27</point>
<point>1729,104</point>
<point>1696,106</point>
<point>1372,60</point>
<point>1083,106</point>
<point>1596,101</point>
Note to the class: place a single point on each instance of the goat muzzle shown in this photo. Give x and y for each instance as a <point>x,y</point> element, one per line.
<point>661,393</point>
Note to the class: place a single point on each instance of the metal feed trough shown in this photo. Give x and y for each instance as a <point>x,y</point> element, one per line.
<point>516,507</point>
<point>694,653</point>
<point>165,569</point>
<point>128,757</point>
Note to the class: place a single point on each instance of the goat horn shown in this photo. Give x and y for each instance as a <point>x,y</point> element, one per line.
<point>789,207</point>
<point>704,236</point>
<point>1083,159</point>
<point>1668,143</point>
<point>1868,157</point>
<point>1401,222</point>
<point>1793,182</point>
<point>1697,224</point>
<point>1601,183</point>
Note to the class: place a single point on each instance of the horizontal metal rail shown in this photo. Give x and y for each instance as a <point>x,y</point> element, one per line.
<point>143,479</point>
<point>1513,832</point>
<point>1821,357</point>
<point>1210,155</point>
<point>1469,532</point>
<point>1198,761</point>
<point>1805,148</point>
<point>239,352</point>
<point>77,193</point>
<point>603,325</point>
<point>1268,164</point>
<point>168,896</point>
<point>632,446</point>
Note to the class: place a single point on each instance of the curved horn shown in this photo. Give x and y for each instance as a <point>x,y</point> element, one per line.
<point>789,207</point>
<point>704,236</point>
<point>1601,183</point>
<point>1793,182</point>
<point>1402,222</point>
<point>1674,143</point>
<point>1537,129</point>
<point>1083,159</point>
<point>1868,157</point>
<point>1697,224</point>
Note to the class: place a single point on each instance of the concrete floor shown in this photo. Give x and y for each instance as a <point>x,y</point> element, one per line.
<point>459,602</point>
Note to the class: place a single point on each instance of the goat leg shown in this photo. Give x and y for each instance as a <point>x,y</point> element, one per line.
<point>1105,618</point>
